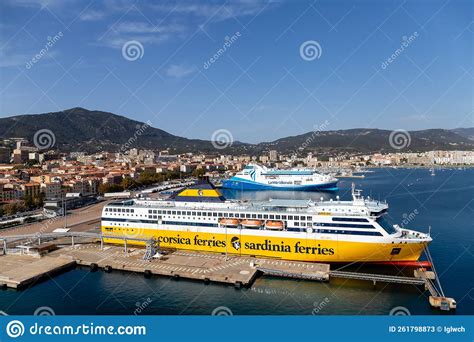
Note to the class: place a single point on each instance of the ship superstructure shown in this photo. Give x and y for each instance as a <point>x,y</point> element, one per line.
<point>200,218</point>
<point>258,177</point>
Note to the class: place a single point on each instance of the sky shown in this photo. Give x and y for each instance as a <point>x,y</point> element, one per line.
<point>260,70</point>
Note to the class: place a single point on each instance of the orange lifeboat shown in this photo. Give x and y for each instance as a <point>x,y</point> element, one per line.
<point>229,222</point>
<point>251,223</point>
<point>274,225</point>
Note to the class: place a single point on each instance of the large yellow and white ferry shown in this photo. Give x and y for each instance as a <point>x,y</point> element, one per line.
<point>200,218</point>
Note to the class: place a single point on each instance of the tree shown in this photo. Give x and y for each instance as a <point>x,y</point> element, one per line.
<point>198,172</point>
<point>108,187</point>
<point>128,183</point>
<point>13,207</point>
<point>28,200</point>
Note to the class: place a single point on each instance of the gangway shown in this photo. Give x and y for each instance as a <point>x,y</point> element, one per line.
<point>377,277</point>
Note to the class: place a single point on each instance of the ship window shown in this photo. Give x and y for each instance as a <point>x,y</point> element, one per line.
<point>283,217</point>
<point>214,214</point>
<point>303,218</point>
<point>247,215</point>
<point>297,224</point>
<point>150,211</point>
<point>259,216</point>
<point>265,216</point>
<point>188,213</point>
<point>193,213</point>
<point>199,213</point>
<point>309,218</point>
<point>173,213</point>
<point>168,212</point>
<point>254,216</point>
<point>277,217</point>
<point>388,227</point>
<point>272,217</point>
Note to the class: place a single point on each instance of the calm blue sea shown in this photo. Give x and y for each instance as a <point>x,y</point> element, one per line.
<point>418,200</point>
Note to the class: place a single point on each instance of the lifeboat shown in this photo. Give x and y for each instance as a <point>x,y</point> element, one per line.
<point>251,223</point>
<point>274,225</point>
<point>229,222</point>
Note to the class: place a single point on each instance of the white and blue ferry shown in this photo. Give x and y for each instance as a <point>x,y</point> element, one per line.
<point>258,177</point>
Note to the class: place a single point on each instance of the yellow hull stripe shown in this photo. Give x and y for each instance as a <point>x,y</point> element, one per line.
<point>271,246</point>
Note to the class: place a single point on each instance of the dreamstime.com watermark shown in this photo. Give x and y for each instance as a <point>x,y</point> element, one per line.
<point>16,329</point>
<point>52,40</point>
<point>44,139</point>
<point>140,130</point>
<point>222,138</point>
<point>133,50</point>
<point>317,129</point>
<point>399,139</point>
<point>406,42</point>
<point>408,218</point>
<point>310,50</point>
<point>228,41</point>
<point>318,307</point>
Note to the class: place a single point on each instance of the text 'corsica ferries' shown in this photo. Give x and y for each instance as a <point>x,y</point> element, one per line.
<point>200,218</point>
<point>258,177</point>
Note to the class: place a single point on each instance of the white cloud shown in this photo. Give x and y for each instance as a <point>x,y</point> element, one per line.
<point>215,11</point>
<point>179,71</point>
<point>144,32</point>
<point>92,15</point>
<point>38,3</point>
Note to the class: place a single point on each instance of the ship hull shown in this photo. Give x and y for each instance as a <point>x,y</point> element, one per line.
<point>301,247</point>
<point>235,184</point>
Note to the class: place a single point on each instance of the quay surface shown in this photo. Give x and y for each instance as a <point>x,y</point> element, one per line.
<point>18,270</point>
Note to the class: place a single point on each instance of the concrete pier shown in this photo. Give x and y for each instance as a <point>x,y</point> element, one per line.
<point>18,270</point>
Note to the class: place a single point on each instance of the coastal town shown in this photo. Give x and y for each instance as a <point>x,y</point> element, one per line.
<point>30,177</point>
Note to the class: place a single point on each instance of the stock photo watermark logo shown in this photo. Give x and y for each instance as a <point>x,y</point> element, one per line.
<point>140,307</point>
<point>317,129</point>
<point>310,50</point>
<point>52,40</point>
<point>44,139</point>
<point>221,139</point>
<point>399,139</point>
<point>399,311</point>
<point>406,42</point>
<point>15,329</point>
<point>407,218</point>
<point>140,130</point>
<point>318,307</point>
<point>133,50</point>
<point>228,41</point>
<point>222,311</point>
<point>44,311</point>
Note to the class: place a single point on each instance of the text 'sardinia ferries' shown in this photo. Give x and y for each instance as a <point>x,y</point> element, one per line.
<point>200,218</point>
<point>258,177</point>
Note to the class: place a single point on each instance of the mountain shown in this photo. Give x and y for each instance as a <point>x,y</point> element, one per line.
<point>367,140</point>
<point>465,132</point>
<point>79,129</point>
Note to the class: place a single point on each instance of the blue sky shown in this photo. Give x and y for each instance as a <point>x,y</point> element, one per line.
<point>263,86</point>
